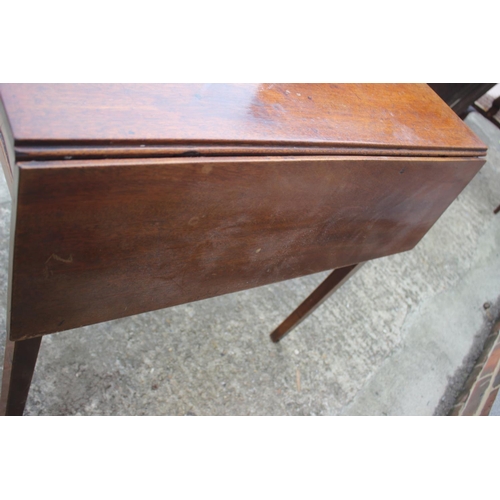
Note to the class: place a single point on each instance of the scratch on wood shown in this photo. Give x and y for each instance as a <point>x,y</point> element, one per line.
<point>177,284</point>
<point>183,275</point>
<point>60,259</point>
<point>168,278</point>
<point>48,272</point>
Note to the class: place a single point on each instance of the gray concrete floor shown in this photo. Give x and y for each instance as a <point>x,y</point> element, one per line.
<point>397,339</point>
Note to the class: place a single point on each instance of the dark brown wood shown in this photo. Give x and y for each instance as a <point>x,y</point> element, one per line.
<point>489,107</point>
<point>99,240</point>
<point>495,107</point>
<point>332,283</point>
<point>90,152</point>
<point>92,121</point>
<point>130,198</point>
<point>19,365</point>
<point>459,96</point>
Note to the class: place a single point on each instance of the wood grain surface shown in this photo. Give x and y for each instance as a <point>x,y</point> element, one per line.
<point>99,240</point>
<point>131,198</point>
<point>145,120</point>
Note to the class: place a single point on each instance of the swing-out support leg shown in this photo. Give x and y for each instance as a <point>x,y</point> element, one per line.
<point>334,281</point>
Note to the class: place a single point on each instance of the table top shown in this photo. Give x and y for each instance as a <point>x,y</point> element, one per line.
<point>57,121</point>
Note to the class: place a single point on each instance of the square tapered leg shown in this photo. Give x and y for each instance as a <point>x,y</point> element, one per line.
<point>334,281</point>
<point>19,365</point>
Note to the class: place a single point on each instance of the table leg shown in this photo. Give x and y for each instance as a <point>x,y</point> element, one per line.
<point>334,281</point>
<point>495,107</point>
<point>18,368</point>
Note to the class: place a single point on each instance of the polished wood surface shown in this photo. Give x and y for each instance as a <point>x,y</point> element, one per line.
<point>130,198</point>
<point>103,121</point>
<point>19,365</point>
<point>98,240</point>
<point>331,284</point>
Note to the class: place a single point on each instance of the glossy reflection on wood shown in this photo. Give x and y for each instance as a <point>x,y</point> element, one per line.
<point>131,198</point>
<point>83,121</point>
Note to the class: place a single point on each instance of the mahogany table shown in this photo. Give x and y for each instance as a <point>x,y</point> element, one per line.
<point>131,198</point>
